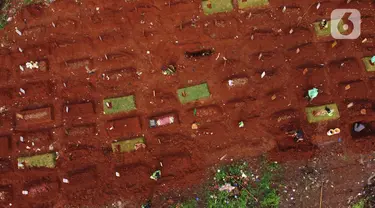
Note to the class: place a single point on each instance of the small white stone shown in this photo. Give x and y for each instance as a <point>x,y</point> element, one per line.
<point>21,138</point>
<point>65,180</point>
<point>67,109</point>
<point>18,32</point>
<point>22,91</point>
<point>148,52</point>
<point>24,192</point>
<point>21,68</point>
<point>20,50</point>
<point>117,174</point>
<point>318,6</point>
<point>97,8</point>
<point>263,74</point>
<point>291,31</point>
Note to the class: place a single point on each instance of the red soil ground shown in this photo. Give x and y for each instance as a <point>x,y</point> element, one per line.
<point>126,43</point>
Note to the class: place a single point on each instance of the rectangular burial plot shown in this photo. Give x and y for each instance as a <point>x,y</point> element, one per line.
<point>127,145</point>
<point>125,127</point>
<point>6,195</point>
<point>5,165</point>
<point>244,4</point>
<point>163,120</point>
<point>119,104</point>
<point>82,176</point>
<point>5,76</point>
<point>80,66</point>
<point>5,146</point>
<point>43,188</point>
<point>310,111</point>
<point>216,6</point>
<point>344,69</point>
<point>35,91</point>
<point>368,131</point>
<point>79,112</point>
<point>81,131</point>
<point>73,89</point>
<point>369,66</point>
<point>33,68</point>
<point>6,96</point>
<point>118,80</point>
<point>33,142</point>
<point>37,116</point>
<point>205,113</point>
<point>324,30</point>
<point>38,161</point>
<point>135,176</point>
<point>358,106</point>
<point>193,93</point>
<point>6,121</point>
<point>355,89</point>
<point>179,164</point>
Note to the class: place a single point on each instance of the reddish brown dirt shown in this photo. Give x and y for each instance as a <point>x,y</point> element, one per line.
<point>112,39</point>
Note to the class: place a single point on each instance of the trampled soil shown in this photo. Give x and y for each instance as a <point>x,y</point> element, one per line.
<point>92,50</point>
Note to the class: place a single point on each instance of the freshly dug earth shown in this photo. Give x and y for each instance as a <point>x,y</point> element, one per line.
<point>96,50</point>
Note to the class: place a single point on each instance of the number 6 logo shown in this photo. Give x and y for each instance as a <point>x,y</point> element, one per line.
<point>345,24</point>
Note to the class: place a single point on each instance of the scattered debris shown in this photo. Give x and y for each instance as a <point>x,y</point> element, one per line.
<point>117,174</point>
<point>312,93</point>
<point>273,97</point>
<point>22,139</point>
<point>139,146</point>
<point>334,44</point>
<point>373,60</point>
<point>291,31</point>
<point>22,91</point>
<point>18,31</point>
<point>227,187</point>
<point>284,9</point>
<point>363,111</point>
<point>195,112</point>
<point>194,126</point>
<point>350,105</point>
<point>298,50</point>
<point>201,53</point>
<point>223,157</point>
<point>358,127</point>
<point>298,135</point>
<point>347,87</point>
<point>32,65</point>
<point>169,70</point>
<point>65,180</point>
<point>305,71</point>
<point>263,74</point>
<point>332,132</point>
<point>24,192</point>
<point>364,40</point>
<point>241,124</point>
<point>318,6</point>
<point>156,175</point>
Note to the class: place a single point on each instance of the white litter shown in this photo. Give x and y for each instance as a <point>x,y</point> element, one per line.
<point>18,32</point>
<point>148,52</point>
<point>291,31</point>
<point>21,68</point>
<point>24,192</point>
<point>364,40</point>
<point>22,91</point>
<point>107,104</point>
<point>318,6</point>
<point>263,74</point>
<point>284,9</point>
<point>298,50</point>
<point>20,50</point>
<point>350,105</point>
<point>53,24</point>
<point>67,109</point>
<point>227,187</point>
<point>21,138</point>
<point>65,180</point>
<point>32,65</point>
<point>117,174</point>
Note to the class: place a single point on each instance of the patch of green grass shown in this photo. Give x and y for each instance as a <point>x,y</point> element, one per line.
<point>249,191</point>
<point>118,105</point>
<point>193,93</point>
<point>368,65</point>
<point>127,145</point>
<point>3,20</point>
<point>38,161</point>
<point>313,119</point>
<point>187,204</point>
<point>360,204</point>
<point>243,4</point>
<point>326,31</point>
<point>216,6</point>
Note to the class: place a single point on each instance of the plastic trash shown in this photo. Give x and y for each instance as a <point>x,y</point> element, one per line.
<point>156,175</point>
<point>373,60</point>
<point>358,127</point>
<point>227,187</point>
<point>313,93</point>
<point>332,132</point>
<point>241,124</point>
